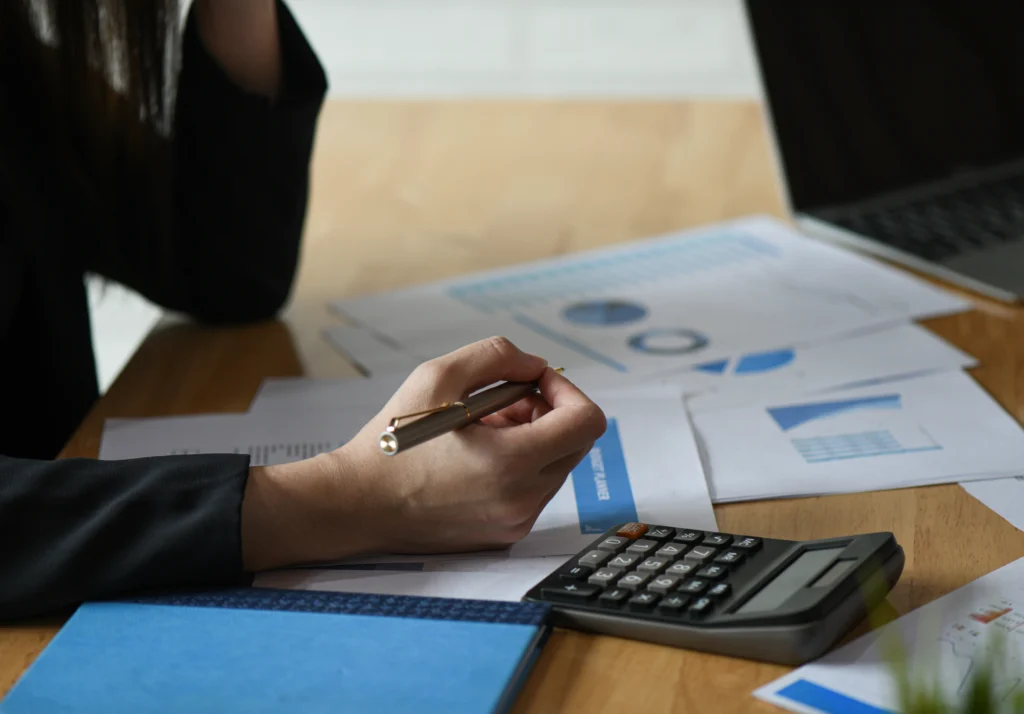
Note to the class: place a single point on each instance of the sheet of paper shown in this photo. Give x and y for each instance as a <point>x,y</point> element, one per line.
<point>645,467</point>
<point>373,353</point>
<point>944,642</point>
<point>1004,496</point>
<point>870,357</point>
<point>932,429</point>
<point>660,304</point>
<point>481,579</point>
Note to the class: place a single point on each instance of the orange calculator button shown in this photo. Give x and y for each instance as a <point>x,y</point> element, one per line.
<point>632,530</point>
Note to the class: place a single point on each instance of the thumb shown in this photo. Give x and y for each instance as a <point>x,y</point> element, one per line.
<point>485,362</point>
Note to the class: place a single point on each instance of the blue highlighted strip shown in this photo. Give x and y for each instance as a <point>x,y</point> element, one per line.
<point>604,497</point>
<point>827,701</point>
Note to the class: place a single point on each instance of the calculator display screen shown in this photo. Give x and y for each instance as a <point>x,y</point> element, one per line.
<point>800,572</point>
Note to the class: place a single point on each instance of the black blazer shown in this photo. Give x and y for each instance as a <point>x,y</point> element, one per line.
<point>76,529</point>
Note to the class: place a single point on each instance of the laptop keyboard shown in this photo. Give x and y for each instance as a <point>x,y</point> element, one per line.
<point>942,227</point>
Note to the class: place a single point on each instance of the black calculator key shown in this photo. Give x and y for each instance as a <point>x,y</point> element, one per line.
<point>643,601</point>
<point>664,584</point>
<point>652,565</point>
<point>693,587</point>
<point>687,536</point>
<point>575,572</point>
<point>730,557</point>
<point>604,577</point>
<point>701,606</point>
<point>717,539</point>
<point>643,547</point>
<point>670,551</point>
<point>660,533</point>
<point>614,597</point>
<point>747,543</point>
<point>615,544</point>
<point>673,604</point>
<point>623,561</point>
<point>700,554</point>
<point>710,572</point>
<point>720,591</point>
<point>633,581</point>
<point>573,592</point>
<point>682,568</point>
<point>595,558</point>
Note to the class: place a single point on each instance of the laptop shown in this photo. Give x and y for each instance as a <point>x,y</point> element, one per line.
<point>898,128</point>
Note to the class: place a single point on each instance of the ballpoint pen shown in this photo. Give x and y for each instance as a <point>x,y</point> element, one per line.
<point>451,416</point>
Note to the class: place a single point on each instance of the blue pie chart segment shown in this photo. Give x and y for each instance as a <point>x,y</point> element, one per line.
<point>764,361</point>
<point>717,367</point>
<point>600,313</point>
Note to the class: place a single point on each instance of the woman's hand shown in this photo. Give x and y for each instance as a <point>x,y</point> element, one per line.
<point>242,35</point>
<point>477,488</point>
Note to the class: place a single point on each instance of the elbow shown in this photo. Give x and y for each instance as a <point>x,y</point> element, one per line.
<point>242,302</point>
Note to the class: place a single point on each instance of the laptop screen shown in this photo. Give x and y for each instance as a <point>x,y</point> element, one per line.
<point>873,96</point>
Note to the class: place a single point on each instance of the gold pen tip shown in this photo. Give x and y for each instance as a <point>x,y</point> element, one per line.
<point>559,369</point>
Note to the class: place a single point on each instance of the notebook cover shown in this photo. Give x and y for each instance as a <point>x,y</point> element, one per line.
<point>261,650</point>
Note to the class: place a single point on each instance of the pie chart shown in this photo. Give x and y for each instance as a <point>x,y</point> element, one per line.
<point>604,313</point>
<point>668,342</point>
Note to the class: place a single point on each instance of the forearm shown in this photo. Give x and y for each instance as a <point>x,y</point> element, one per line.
<point>242,35</point>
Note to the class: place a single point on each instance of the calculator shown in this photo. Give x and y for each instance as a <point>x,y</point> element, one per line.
<point>757,598</point>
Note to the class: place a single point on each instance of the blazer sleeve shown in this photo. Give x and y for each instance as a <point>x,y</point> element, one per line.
<point>218,235</point>
<point>78,529</point>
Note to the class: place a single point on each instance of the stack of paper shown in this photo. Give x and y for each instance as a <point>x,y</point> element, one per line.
<point>735,362</point>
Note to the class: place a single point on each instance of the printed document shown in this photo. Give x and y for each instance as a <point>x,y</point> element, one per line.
<point>661,304</point>
<point>936,428</point>
<point>944,643</point>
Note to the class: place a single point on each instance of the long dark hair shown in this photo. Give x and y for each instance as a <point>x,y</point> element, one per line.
<point>104,68</point>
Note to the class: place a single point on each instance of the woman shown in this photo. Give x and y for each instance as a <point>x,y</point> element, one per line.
<point>196,198</point>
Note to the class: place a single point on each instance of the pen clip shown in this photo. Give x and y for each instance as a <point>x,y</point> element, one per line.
<point>447,405</point>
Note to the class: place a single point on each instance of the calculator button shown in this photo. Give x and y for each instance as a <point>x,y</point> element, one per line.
<point>730,557</point>
<point>670,551</point>
<point>664,584</point>
<point>623,561</point>
<point>694,587</point>
<point>571,591</point>
<point>615,544</point>
<point>717,539</point>
<point>575,572</point>
<point>673,604</point>
<point>681,568</point>
<point>633,581</point>
<point>720,591</point>
<point>595,558</point>
<point>642,547</point>
<point>643,601</point>
<point>711,572</point>
<point>701,606</point>
<point>685,536</point>
<point>652,565</point>
<point>700,554</point>
<point>604,577</point>
<point>632,530</point>
<point>747,543</point>
<point>614,597</point>
<point>660,533</point>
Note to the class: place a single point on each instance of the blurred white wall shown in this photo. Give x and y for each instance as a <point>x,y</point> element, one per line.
<point>661,49</point>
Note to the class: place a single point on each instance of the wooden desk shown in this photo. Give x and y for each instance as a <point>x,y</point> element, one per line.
<point>413,192</point>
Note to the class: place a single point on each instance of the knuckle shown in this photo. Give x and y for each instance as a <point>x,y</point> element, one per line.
<point>430,372</point>
<point>502,346</point>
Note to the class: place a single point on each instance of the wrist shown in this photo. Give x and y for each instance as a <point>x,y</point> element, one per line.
<point>303,512</point>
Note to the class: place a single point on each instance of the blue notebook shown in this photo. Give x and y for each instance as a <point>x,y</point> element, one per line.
<point>282,651</point>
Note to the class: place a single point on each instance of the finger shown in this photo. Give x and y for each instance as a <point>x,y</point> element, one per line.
<point>526,410</point>
<point>483,363</point>
<point>573,422</point>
